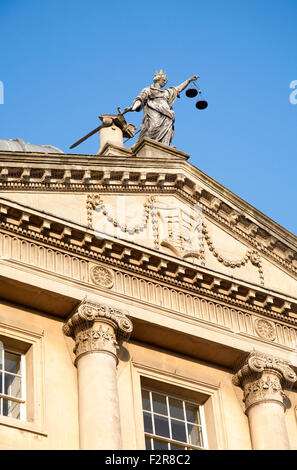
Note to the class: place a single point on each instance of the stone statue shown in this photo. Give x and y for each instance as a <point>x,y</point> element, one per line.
<point>158,115</point>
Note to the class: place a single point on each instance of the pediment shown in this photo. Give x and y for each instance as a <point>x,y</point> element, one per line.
<point>189,215</point>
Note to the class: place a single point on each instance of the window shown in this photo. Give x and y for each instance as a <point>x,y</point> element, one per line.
<point>22,403</point>
<point>171,422</point>
<point>12,384</point>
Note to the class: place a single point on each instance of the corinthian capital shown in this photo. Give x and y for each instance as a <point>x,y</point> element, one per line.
<point>97,327</point>
<point>263,377</point>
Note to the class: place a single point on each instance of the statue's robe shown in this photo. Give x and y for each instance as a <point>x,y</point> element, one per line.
<point>158,115</point>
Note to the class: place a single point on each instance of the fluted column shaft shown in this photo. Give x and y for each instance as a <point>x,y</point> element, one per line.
<point>97,330</point>
<point>262,378</point>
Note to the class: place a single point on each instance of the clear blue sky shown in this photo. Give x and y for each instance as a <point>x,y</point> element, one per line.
<point>64,62</point>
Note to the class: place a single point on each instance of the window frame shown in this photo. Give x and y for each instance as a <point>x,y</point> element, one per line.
<point>208,393</point>
<point>169,440</point>
<point>30,344</point>
<point>22,399</point>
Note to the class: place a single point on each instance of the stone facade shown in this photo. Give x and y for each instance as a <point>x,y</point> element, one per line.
<point>132,269</point>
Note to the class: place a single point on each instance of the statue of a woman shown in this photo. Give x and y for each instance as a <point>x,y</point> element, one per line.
<point>158,115</point>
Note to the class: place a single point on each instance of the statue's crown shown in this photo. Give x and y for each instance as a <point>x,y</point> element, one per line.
<point>160,74</point>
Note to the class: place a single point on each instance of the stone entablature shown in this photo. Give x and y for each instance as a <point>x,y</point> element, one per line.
<point>219,302</point>
<point>219,312</point>
<point>127,175</point>
<point>263,378</point>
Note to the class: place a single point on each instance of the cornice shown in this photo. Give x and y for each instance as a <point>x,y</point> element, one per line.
<point>169,270</point>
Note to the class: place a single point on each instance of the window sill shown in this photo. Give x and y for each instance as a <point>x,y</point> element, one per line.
<point>22,425</point>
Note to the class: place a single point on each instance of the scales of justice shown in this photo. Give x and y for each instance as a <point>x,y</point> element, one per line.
<point>158,115</point>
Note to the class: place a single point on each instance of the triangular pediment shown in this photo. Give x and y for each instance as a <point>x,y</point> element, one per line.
<point>153,197</point>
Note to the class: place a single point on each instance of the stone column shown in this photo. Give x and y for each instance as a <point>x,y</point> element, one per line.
<point>98,330</point>
<point>262,378</point>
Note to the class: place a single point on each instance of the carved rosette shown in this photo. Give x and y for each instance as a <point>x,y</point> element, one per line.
<point>102,276</point>
<point>262,378</point>
<point>97,327</point>
<point>265,329</point>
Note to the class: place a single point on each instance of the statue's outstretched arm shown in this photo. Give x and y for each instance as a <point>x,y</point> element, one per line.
<point>140,100</point>
<point>136,105</point>
<point>184,85</point>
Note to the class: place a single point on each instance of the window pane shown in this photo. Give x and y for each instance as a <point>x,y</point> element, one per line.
<point>1,390</point>
<point>159,404</point>
<point>176,408</point>
<point>148,445</point>
<point>12,385</point>
<point>147,419</point>
<point>160,445</point>
<point>178,430</point>
<point>1,358</point>
<point>12,362</point>
<point>146,404</point>
<point>173,419</point>
<point>192,413</point>
<point>176,447</point>
<point>161,426</point>
<point>11,409</point>
<point>195,435</point>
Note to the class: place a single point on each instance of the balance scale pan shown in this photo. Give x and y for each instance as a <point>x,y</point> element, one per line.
<point>201,104</point>
<point>191,93</point>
